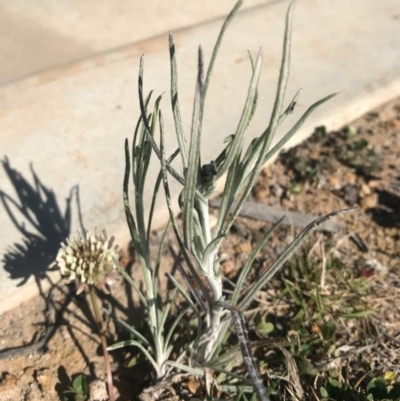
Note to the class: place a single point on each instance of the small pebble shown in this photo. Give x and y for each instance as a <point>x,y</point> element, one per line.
<point>370,201</point>
<point>365,189</point>
<point>350,194</point>
<point>98,391</point>
<point>371,117</point>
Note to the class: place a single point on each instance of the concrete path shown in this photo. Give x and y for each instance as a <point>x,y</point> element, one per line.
<point>39,34</point>
<point>70,122</point>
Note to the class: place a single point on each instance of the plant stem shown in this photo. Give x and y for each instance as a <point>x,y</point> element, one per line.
<point>102,336</point>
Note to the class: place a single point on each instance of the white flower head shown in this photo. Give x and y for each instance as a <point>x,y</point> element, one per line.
<point>89,259</point>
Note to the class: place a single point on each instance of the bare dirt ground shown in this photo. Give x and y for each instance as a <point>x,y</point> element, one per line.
<point>357,166</point>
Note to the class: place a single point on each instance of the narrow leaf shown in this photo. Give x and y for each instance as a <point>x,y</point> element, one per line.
<point>170,169</point>
<point>130,343</point>
<point>185,368</point>
<point>131,282</point>
<point>175,103</point>
<point>287,254</point>
<point>237,143</point>
<point>218,44</point>
<point>194,158</point>
<point>245,270</point>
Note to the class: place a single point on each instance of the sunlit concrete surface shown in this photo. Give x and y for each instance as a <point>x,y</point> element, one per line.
<point>38,34</point>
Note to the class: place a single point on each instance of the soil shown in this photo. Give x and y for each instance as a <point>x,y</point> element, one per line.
<point>357,166</point>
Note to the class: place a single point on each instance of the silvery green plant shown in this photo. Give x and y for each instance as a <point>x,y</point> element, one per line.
<point>199,242</point>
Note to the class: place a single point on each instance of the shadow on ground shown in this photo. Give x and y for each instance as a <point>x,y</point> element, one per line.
<point>36,214</point>
<point>35,205</point>
<point>387,213</point>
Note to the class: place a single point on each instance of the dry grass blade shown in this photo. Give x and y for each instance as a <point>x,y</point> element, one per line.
<point>293,373</point>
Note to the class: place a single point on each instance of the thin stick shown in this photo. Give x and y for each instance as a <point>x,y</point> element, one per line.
<point>245,348</point>
<point>102,336</point>
<point>323,273</point>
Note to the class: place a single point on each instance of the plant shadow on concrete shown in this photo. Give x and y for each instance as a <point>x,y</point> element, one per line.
<point>36,205</point>
<point>36,214</point>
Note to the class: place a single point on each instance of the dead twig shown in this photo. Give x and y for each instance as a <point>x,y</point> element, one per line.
<point>272,214</point>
